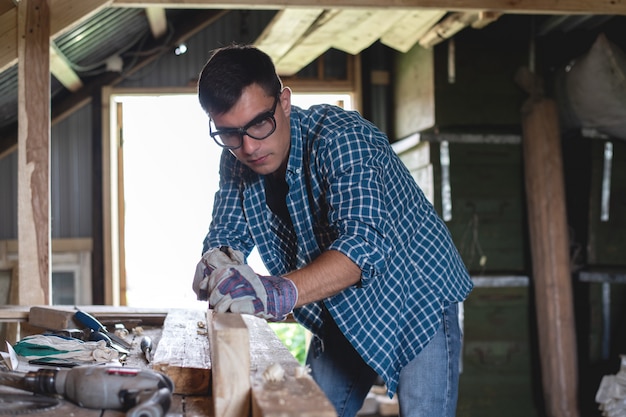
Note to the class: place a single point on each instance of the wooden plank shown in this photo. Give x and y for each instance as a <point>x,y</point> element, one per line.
<point>448,27</point>
<point>341,28</point>
<point>367,29</point>
<point>183,352</point>
<point>318,40</point>
<point>53,318</point>
<point>61,317</point>
<point>296,394</point>
<point>549,244</point>
<point>410,28</point>
<point>34,152</point>
<point>285,29</point>
<point>8,39</point>
<point>519,6</point>
<point>230,356</point>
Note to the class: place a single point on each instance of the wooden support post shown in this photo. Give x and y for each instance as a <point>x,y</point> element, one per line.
<point>547,220</point>
<point>34,151</point>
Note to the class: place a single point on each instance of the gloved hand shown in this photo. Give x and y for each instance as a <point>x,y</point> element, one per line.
<point>239,289</point>
<point>211,260</point>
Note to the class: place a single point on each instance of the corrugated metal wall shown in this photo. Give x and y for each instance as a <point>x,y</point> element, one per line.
<point>70,176</point>
<point>8,197</point>
<point>70,180</point>
<point>71,159</point>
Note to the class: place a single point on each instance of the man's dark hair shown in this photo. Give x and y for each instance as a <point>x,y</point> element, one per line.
<point>231,69</point>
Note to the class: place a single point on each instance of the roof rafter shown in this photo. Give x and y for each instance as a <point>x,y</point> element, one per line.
<point>617,7</point>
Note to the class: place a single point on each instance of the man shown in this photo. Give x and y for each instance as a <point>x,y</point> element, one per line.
<point>356,251</point>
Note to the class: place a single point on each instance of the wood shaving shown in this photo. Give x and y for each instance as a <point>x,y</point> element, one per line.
<point>303,372</point>
<point>274,373</point>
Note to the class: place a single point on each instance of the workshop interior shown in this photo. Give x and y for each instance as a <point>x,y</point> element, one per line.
<point>511,116</point>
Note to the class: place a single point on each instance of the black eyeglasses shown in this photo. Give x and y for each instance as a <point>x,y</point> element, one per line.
<point>259,128</point>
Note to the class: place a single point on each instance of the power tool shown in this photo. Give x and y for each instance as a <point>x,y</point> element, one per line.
<point>139,392</point>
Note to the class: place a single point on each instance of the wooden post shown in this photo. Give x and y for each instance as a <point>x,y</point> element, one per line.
<point>34,151</point>
<point>549,241</point>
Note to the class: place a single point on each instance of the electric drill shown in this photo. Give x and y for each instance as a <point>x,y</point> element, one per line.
<point>139,392</point>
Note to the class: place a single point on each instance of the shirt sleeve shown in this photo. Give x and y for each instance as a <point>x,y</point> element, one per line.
<point>353,163</point>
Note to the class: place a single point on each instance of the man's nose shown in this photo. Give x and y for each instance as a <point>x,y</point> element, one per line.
<point>248,144</point>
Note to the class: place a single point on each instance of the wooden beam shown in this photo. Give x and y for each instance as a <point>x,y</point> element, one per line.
<point>157,20</point>
<point>368,29</point>
<point>454,23</point>
<point>62,71</point>
<point>317,40</point>
<point>295,394</point>
<point>410,28</point>
<point>230,358</point>
<point>58,245</point>
<point>285,29</point>
<point>549,244</point>
<point>8,39</point>
<point>519,6</point>
<point>34,152</point>
<point>448,27</point>
<point>183,352</point>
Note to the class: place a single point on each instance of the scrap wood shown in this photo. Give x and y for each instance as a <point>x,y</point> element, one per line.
<point>183,352</point>
<point>53,318</point>
<point>62,317</point>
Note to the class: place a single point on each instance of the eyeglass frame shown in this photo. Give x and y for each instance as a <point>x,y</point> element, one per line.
<point>241,131</point>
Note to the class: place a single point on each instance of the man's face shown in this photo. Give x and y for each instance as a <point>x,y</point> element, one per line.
<point>269,155</point>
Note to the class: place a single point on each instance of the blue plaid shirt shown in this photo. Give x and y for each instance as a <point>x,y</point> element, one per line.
<point>348,191</point>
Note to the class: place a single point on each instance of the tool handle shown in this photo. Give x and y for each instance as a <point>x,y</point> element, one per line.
<point>156,406</point>
<point>89,321</point>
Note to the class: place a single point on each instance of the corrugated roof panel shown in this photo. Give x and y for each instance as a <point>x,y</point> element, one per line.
<point>110,32</point>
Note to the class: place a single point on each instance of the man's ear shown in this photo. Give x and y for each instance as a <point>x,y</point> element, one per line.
<point>285,101</point>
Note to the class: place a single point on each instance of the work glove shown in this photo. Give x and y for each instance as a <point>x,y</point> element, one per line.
<point>239,289</point>
<point>211,260</point>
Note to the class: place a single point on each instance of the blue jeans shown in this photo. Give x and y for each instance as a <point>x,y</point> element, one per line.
<point>428,385</point>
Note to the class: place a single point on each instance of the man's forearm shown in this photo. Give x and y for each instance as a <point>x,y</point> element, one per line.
<point>327,275</point>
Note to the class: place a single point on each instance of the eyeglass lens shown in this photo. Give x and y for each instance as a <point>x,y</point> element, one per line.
<point>259,128</point>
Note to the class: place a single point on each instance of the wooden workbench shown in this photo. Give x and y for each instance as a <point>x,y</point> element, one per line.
<point>209,381</point>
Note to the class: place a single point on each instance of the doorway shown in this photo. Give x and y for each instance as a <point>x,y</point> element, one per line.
<point>170,174</point>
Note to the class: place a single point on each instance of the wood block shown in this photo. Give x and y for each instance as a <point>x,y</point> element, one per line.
<point>230,356</point>
<point>195,406</point>
<point>53,318</point>
<point>297,394</point>
<point>183,352</point>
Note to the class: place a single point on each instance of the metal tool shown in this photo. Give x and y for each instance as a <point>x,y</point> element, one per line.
<point>139,392</point>
<point>93,323</point>
<point>146,348</point>
<point>12,404</point>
